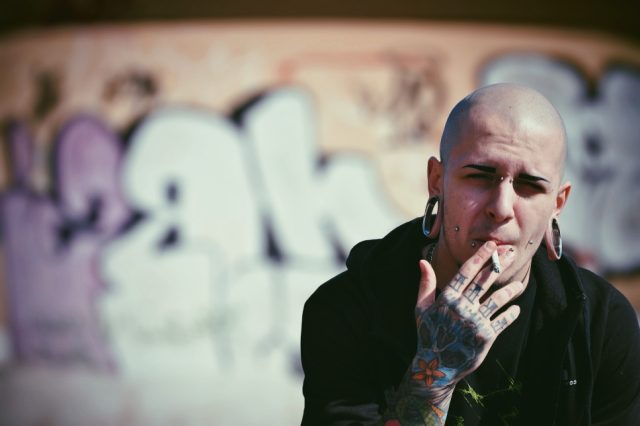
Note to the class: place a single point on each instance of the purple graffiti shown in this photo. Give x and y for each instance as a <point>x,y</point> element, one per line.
<point>228,211</point>
<point>52,243</point>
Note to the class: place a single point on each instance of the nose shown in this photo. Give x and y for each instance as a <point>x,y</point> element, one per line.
<point>500,206</point>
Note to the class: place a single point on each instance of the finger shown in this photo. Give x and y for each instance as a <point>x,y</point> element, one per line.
<point>505,319</point>
<point>487,276</point>
<point>427,287</point>
<point>471,268</point>
<point>500,298</point>
<point>500,260</point>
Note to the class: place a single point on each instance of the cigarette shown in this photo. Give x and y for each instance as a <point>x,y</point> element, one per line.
<point>495,262</point>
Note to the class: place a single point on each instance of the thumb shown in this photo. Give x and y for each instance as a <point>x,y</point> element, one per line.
<point>427,288</point>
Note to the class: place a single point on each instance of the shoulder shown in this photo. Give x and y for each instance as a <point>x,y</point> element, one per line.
<point>336,315</point>
<point>607,312</point>
<point>600,294</point>
<point>378,271</point>
<point>614,351</point>
<point>613,322</point>
<point>332,296</point>
<point>603,296</point>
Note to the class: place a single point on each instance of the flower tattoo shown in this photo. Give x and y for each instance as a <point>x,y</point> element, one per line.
<point>428,371</point>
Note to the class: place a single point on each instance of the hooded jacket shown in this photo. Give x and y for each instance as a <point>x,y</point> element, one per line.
<point>580,364</point>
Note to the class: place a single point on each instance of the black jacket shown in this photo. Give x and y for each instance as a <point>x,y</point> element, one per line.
<point>582,364</point>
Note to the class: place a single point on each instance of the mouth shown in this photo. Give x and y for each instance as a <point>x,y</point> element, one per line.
<point>503,246</point>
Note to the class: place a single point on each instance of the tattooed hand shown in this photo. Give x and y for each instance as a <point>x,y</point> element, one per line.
<point>455,333</point>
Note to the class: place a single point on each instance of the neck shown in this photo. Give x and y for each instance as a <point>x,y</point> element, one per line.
<point>443,265</point>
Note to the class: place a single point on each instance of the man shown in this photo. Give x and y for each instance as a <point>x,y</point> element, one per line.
<point>473,315</point>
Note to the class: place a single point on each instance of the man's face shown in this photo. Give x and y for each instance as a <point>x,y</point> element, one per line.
<point>501,182</point>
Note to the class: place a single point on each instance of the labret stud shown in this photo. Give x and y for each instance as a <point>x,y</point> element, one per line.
<point>456,228</point>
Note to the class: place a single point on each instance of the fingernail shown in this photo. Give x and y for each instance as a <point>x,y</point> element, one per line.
<point>515,313</point>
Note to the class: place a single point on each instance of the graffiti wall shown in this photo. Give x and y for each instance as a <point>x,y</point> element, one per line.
<point>173,194</point>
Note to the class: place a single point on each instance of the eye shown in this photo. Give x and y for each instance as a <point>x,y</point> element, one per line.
<point>527,187</point>
<point>481,180</point>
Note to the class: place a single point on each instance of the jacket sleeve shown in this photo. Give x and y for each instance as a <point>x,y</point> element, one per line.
<point>337,387</point>
<point>616,391</point>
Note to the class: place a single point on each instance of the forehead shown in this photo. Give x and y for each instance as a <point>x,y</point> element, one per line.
<point>519,144</point>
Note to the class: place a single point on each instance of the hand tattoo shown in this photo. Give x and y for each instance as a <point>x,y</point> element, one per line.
<point>472,295</point>
<point>488,308</point>
<point>458,282</point>
<point>455,333</point>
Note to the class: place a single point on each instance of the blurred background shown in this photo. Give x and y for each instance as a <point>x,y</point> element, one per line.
<point>178,177</point>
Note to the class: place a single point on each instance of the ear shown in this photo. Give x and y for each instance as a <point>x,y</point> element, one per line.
<point>435,176</point>
<point>552,237</point>
<point>561,198</point>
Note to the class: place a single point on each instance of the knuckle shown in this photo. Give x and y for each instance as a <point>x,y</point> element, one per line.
<point>448,297</point>
<point>487,249</point>
<point>466,268</point>
<point>506,293</point>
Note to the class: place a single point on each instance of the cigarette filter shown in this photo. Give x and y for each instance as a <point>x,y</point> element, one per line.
<point>495,262</point>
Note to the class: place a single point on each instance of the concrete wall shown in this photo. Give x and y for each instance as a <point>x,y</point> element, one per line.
<point>175,192</point>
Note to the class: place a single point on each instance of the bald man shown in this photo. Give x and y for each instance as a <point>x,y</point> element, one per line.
<point>472,314</point>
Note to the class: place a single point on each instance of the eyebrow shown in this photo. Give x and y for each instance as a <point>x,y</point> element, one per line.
<point>493,170</point>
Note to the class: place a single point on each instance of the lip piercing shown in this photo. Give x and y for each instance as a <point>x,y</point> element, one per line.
<point>456,228</point>
<point>473,244</point>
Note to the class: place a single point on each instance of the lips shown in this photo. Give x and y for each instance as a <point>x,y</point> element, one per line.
<point>498,241</point>
<point>502,244</point>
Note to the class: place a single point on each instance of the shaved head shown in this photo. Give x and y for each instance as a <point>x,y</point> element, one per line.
<point>523,108</point>
<point>499,177</point>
